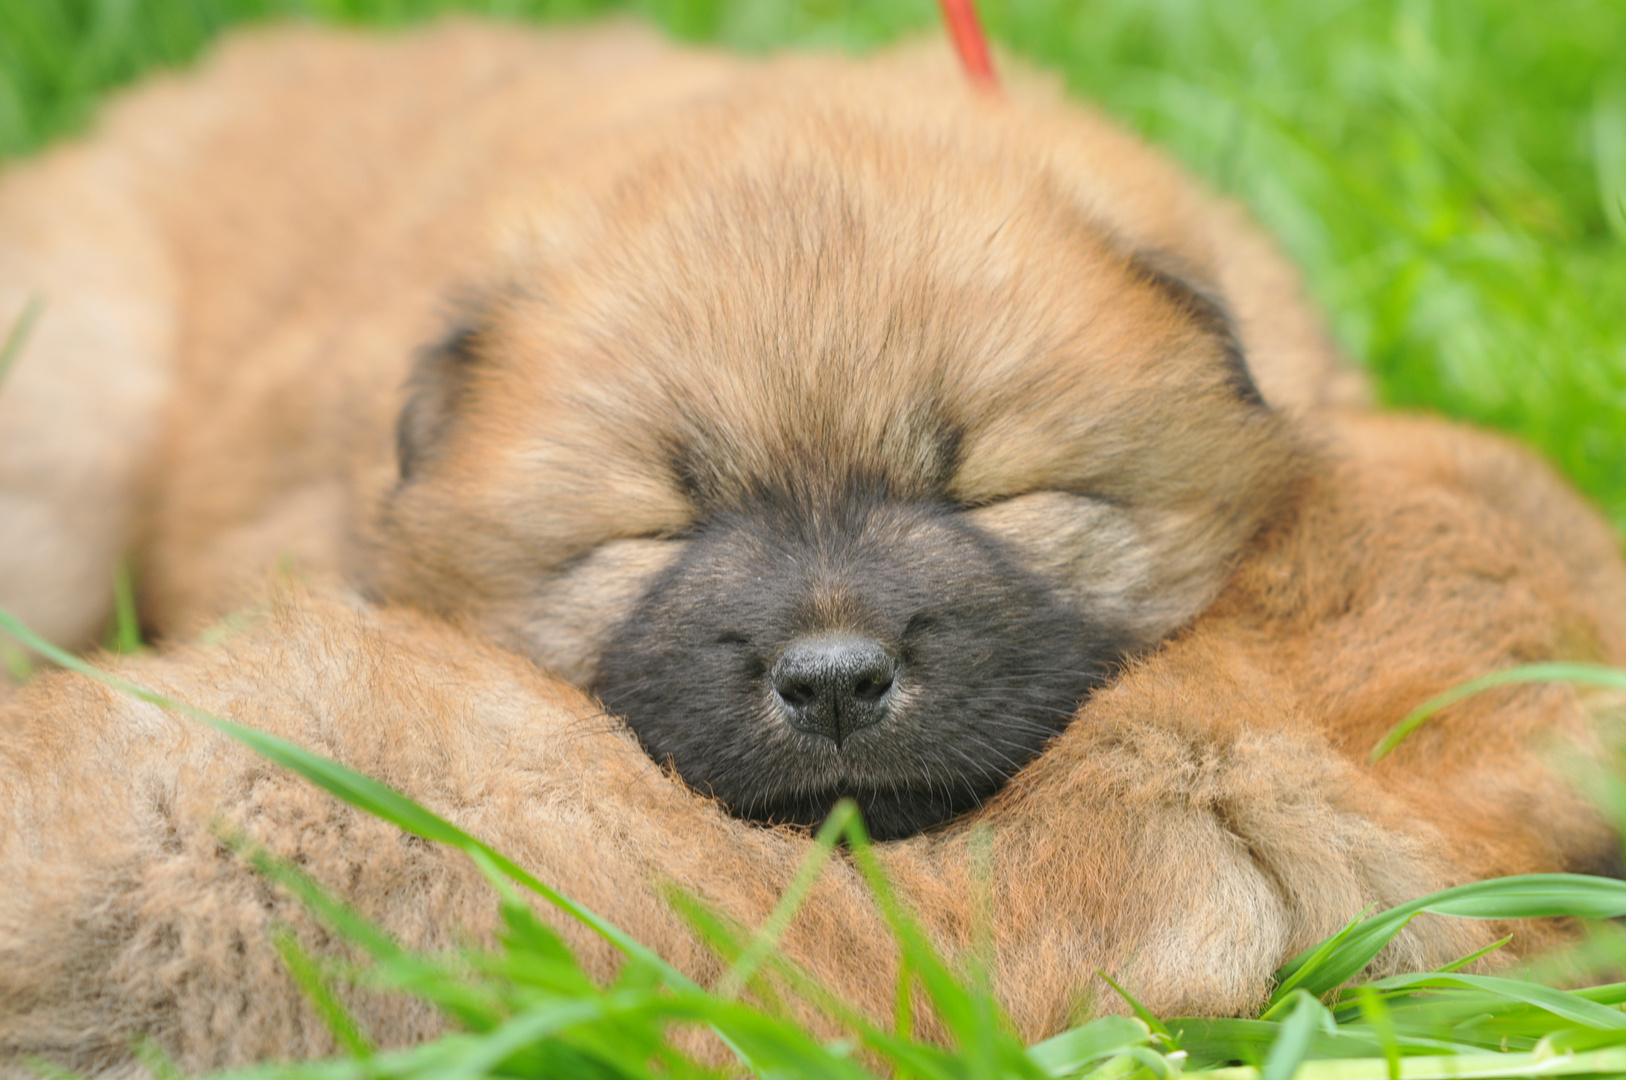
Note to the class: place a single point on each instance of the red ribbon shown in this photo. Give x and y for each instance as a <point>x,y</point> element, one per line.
<point>970,42</point>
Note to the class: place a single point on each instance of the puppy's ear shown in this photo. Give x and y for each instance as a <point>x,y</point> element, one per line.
<point>434,393</point>
<point>1205,308</point>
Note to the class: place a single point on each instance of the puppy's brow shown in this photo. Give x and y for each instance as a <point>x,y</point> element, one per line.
<point>1205,310</point>
<point>921,452</point>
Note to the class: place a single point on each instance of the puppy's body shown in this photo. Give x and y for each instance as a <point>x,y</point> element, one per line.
<point>1205,817</point>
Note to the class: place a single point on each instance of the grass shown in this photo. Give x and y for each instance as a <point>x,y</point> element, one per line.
<point>1453,179</point>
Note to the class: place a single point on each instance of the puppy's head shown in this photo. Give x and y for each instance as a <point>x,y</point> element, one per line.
<point>840,454</point>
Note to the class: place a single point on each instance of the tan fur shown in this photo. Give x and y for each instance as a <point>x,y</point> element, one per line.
<point>1204,818</point>
<point>291,225</point>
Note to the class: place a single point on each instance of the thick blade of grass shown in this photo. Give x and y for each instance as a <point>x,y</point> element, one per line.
<point>1212,1042</point>
<point>124,632</point>
<point>1523,897</point>
<point>795,895</point>
<point>1308,1019</point>
<point>430,978</point>
<point>348,922</point>
<point>1598,1063</point>
<point>1570,1007</point>
<point>16,662</point>
<point>1377,1017</point>
<point>1585,674</point>
<point>1475,956</point>
<point>974,1020</point>
<point>1068,1053</point>
<point>308,975</point>
<point>1317,958</point>
<point>1142,1012</point>
<point>18,334</point>
<point>156,1062</point>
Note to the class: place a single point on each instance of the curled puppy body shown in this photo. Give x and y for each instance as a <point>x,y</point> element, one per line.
<point>840,428</point>
<point>1207,815</point>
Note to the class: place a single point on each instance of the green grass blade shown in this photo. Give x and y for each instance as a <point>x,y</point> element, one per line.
<point>1311,964</point>
<point>1570,1007</point>
<point>795,895</point>
<point>550,961</point>
<point>159,1065</point>
<point>1523,897</point>
<point>974,1019</point>
<point>308,977</point>
<point>1211,1041</point>
<point>1599,1063</point>
<point>1068,1053</point>
<point>953,1003</point>
<point>349,923</point>
<point>1156,1065</point>
<point>1605,994</point>
<point>1574,1040</point>
<point>1476,955</point>
<point>124,633</point>
<point>903,1001</point>
<point>1140,1011</point>
<point>16,662</point>
<point>50,1070</point>
<point>1308,1018</point>
<point>1585,674</point>
<point>1383,1026</point>
<point>519,1032</point>
<point>18,335</point>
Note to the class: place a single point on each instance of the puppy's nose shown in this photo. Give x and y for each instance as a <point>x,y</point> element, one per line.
<point>834,684</point>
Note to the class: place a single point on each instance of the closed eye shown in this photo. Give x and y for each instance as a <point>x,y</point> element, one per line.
<point>681,532</point>
<point>982,501</point>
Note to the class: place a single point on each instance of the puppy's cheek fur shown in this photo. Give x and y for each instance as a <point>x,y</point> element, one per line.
<point>1102,559</point>
<point>566,623</point>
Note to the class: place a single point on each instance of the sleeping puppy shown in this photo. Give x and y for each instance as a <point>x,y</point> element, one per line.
<point>842,430</point>
<point>1206,816</point>
<point>822,418</point>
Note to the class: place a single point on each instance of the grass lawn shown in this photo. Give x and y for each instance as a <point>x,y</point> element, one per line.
<point>1452,176</point>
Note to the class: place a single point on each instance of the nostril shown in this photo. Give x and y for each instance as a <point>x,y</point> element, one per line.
<point>796,693</point>
<point>872,686</point>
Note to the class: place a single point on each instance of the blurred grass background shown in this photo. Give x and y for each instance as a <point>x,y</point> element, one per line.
<point>1452,176</point>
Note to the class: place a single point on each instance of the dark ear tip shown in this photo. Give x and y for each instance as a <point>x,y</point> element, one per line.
<point>434,392</point>
<point>1204,307</point>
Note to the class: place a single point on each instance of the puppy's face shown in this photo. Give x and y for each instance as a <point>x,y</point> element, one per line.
<point>839,457</point>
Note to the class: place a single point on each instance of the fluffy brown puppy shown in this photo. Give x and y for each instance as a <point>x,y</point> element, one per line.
<point>840,428</point>
<point>1207,815</point>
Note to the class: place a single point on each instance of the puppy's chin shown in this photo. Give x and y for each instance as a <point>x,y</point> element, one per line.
<point>867,648</point>
<point>892,814</point>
